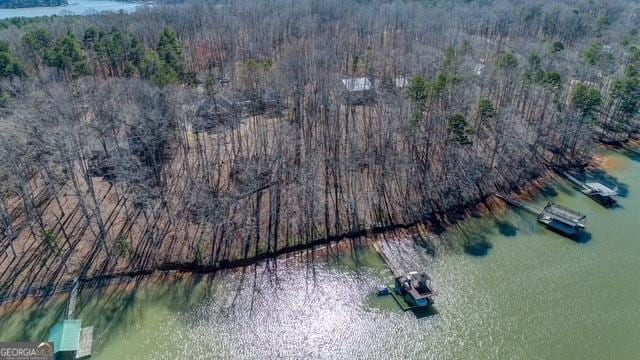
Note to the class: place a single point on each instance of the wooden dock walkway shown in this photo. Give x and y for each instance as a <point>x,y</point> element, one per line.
<point>85,342</point>
<point>521,204</point>
<point>556,217</point>
<point>71,306</point>
<point>571,179</point>
<point>395,270</point>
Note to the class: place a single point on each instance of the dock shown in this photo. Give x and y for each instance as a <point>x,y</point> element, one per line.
<point>411,290</point>
<point>593,189</point>
<point>395,270</point>
<point>71,306</point>
<point>556,217</point>
<point>71,340</point>
<point>561,219</point>
<point>85,343</point>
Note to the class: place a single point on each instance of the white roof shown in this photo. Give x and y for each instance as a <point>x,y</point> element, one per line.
<point>600,188</point>
<point>357,84</point>
<point>401,82</point>
<point>578,81</point>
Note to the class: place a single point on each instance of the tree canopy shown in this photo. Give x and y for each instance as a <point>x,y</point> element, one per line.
<point>458,129</point>
<point>586,100</point>
<point>68,56</point>
<point>9,64</point>
<point>170,50</point>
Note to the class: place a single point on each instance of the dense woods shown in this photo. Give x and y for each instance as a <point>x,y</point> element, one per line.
<point>210,132</point>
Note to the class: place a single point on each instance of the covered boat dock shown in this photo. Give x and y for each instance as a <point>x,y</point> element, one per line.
<point>561,219</point>
<point>71,340</point>
<point>411,290</point>
<point>556,217</point>
<point>593,189</point>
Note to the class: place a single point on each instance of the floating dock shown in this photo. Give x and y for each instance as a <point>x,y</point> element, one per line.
<point>86,343</point>
<point>411,290</point>
<point>556,217</point>
<point>595,190</point>
<point>561,219</point>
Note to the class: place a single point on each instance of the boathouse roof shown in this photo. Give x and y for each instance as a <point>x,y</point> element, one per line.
<point>562,213</point>
<point>601,189</point>
<point>65,335</point>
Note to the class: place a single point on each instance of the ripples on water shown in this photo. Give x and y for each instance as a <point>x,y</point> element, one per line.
<point>322,315</point>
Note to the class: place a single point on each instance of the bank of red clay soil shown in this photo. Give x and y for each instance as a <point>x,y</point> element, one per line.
<point>128,281</point>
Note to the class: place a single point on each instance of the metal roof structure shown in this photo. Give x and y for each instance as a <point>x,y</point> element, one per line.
<point>357,84</point>
<point>65,335</point>
<point>600,189</point>
<point>401,81</point>
<point>563,214</point>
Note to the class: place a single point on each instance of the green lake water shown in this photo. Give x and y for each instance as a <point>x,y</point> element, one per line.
<point>508,289</point>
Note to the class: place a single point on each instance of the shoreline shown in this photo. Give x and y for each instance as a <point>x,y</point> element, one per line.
<point>430,226</point>
<point>53,11</point>
<point>483,207</point>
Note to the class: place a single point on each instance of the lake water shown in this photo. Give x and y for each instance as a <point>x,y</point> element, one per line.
<point>508,289</point>
<point>75,7</point>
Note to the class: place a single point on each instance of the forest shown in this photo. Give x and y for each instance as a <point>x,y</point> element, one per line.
<point>210,133</point>
<point>9,4</point>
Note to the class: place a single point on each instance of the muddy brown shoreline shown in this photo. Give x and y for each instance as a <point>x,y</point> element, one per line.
<point>434,224</point>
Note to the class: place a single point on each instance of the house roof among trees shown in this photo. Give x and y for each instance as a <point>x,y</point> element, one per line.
<point>357,84</point>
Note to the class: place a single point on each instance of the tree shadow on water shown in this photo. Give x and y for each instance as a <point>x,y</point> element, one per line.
<point>478,248</point>
<point>33,322</point>
<point>548,192</point>
<point>506,228</point>
<point>472,238</point>
<point>632,154</point>
<point>424,243</point>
